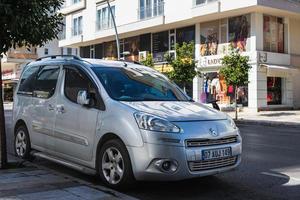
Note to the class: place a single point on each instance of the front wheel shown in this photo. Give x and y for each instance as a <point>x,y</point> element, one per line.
<point>114,165</point>
<point>22,143</point>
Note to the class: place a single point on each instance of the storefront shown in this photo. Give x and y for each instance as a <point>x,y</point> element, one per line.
<point>10,75</point>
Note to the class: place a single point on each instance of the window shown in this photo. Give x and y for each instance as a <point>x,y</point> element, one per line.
<point>76,1</point>
<point>104,19</point>
<point>201,2</point>
<point>62,34</point>
<point>46,51</point>
<point>136,84</point>
<point>69,51</point>
<point>151,8</point>
<point>186,34</point>
<point>27,80</point>
<point>61,51</point>
<point>77,26</point>
<point>160,44</point>
<point>45,83</point>
<point>209,38</point>
<point>239,31</point>
<point>85,52</point>
<point>273,34</point>
<point>274,87</point>
<point>76,80</point>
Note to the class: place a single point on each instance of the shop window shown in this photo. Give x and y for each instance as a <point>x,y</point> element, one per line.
<point>274,90</point>
<point>160,44</point>
<point>145,45</point>
<point>85,52</point>
<point>99,51</point>
<point>215,88</point>
<point>110,50</point>
<point>273,34</point>
<point>239,31</point>
<point>45,83</point>
<point>69,51</point>
<point>209,38</point>
<point>186,34</point>
<point>132,45</point>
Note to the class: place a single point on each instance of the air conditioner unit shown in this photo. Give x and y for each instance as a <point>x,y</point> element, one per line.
<point>143,55</point>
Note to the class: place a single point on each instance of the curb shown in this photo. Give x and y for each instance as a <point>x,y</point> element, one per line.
<point>104,189</point>
<point>267,123</point>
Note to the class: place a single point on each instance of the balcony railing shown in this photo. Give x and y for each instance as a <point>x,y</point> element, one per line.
<point>151,11</point>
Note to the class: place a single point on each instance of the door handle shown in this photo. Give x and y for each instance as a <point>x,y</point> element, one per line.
<point>50,107</point>
<point>61,109</point>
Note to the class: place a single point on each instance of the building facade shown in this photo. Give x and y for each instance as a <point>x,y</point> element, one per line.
<point>268,31</point>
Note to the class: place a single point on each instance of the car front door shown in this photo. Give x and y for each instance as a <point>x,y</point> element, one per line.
<point>76,125</point>
<point>43,107</point>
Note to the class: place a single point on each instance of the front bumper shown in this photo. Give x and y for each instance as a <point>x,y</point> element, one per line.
<point>144,168</point>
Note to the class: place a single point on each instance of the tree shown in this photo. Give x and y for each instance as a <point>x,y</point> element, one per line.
<point>235,69</point>
<point>148,61</point>
<point>25,23</point>
<point>184,65</point>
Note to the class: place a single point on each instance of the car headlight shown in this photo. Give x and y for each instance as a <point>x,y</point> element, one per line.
<point>153,123</point>
<point>231,122</point>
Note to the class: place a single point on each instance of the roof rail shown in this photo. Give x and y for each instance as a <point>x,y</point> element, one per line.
<point>55,56</point>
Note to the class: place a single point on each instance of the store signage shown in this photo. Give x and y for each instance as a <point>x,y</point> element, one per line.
<point>209,61</point>
<point>8,74</point>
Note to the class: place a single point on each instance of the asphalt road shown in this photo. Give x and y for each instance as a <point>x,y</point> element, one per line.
<point>270,170</point>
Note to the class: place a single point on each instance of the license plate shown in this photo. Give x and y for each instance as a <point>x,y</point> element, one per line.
<point>216,153</point>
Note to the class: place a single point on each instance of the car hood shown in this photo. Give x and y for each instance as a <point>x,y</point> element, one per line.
<point>178,111</point>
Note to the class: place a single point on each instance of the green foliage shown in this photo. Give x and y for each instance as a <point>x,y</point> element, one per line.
<point>148,61</point>
<point>184,65</point>
<point>28,23</point>
<point>235,68</point>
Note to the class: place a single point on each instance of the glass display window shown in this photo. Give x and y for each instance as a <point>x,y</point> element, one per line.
<point>273,34</point>
<point>274,90</point>
<point>209,38</point>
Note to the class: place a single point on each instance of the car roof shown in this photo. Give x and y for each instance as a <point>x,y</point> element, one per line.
<point>87,62</point>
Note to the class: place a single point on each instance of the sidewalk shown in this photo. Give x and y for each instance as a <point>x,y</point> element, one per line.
<point>269,117</point>
<point>31,182</point>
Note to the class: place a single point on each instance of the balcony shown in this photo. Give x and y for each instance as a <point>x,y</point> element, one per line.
<point>145,13</point>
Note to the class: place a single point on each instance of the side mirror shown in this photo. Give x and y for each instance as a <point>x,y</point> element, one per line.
<point>82,98</point>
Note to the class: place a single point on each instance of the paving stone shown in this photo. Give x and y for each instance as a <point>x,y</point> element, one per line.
<point>86,192</point>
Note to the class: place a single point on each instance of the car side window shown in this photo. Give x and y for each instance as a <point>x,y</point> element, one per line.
<point>45,83</point>
<point>76,80</point>
<point>28,80</point>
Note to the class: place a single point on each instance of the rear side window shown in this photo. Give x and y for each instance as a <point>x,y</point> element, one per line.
<point>46,81</point>
<point>28,79</point>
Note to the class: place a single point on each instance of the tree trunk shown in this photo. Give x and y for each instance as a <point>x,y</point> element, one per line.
<point>3,152</point>
<point>236,108</point>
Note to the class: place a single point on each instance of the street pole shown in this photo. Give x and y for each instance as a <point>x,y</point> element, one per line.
<point>116,30</point>
<point>3,153</point>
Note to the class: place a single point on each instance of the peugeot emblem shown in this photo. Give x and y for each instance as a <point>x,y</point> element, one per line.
<point>213,132</point>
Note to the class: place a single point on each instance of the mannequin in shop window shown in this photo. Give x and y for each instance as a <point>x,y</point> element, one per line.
<point>215,87</point>
<point>207,87</point>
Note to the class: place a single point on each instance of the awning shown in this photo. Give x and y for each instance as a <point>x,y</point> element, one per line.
<point>277,70</point>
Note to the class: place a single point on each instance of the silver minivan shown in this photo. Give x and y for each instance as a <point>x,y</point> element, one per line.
<point>119,120</point>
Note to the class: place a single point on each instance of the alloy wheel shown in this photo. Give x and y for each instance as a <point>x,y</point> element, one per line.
<point>113,165</point>
<point>20,143</point>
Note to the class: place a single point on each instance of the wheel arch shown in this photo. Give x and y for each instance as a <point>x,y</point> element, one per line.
<point>19,123</point>
<point>106,137</point>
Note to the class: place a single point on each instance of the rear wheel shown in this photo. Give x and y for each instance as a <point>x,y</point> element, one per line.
<point>114,165</point>
<point>22,142</point>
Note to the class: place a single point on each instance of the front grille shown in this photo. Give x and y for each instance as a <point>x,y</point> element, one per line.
<point>209,142</point>
<point>212,164</point>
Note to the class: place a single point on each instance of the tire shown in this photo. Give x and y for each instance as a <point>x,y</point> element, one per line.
<point>22,143</point>
<point>114,165</point>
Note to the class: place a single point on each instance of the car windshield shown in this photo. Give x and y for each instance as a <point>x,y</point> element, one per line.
<point>138,84</point>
